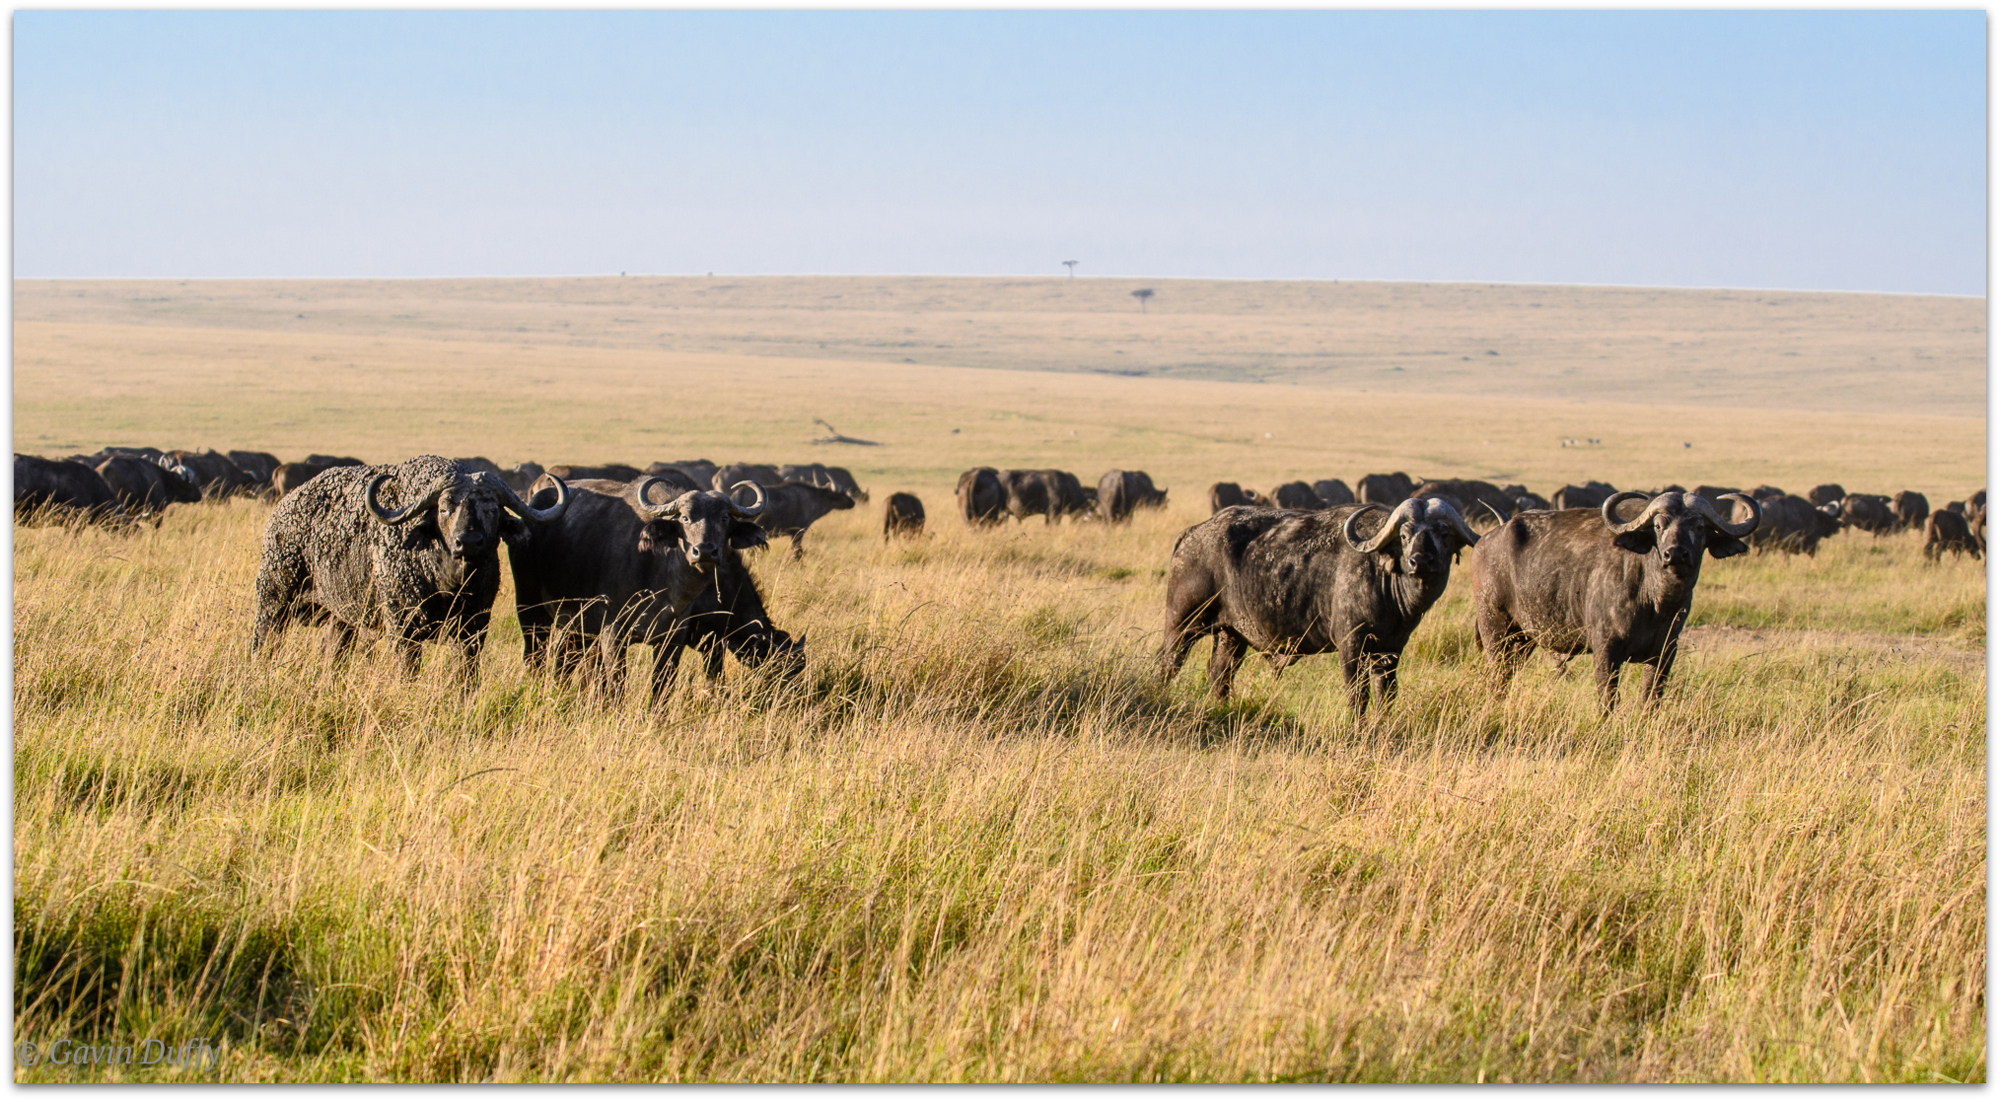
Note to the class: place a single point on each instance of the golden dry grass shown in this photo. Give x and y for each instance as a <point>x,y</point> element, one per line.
<point>977,840</point>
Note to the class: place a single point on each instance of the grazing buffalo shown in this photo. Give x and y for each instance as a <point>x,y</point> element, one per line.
<point>1530,502</point>
<point>755,473</point>
<point>1121,491</point>
<point>330,461</point>
<point>147,488</point>
<point>149,454</point>
<point>1334,492</point>
<point>1587,495</point>
<point>1713,494</point>
<point>982,500</point>
<point>61,490</point>
<point>1912,509</point>
<point>701,470</point>
<point>903,514</point>
<point>1870,512</point>
<point>423,566</point>
<point>1789,524</point>
<point>790,508</point>
<point>623,568</point>
<point>826,477</point>
<point>1224,495</point>
<point>1468,494</point>
<point>609,472</point>
<point>1769,492</point>
<point>290,476</point>
<point>1385,489</point>
<point>1294,583</point>
<point>1296,495</point>
<point>214,473</point>
<point>1579,580</point>
<point>521,477</point>
<point>259,465</point>
<point>1050,494</point>
<point>1829,494</point>
<point>728,613</point>
<point>1948,531</point>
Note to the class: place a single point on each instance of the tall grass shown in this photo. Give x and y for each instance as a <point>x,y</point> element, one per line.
<point>978,841</point>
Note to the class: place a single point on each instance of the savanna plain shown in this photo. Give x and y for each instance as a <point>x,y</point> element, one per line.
<point>977,839</point>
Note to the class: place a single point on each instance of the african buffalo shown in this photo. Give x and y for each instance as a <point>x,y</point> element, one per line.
<point>790,508</point>
<point>1223,495</point>
<point>1948,531</point>
<point>259,465</point>
<point>1713,494</point>
<point>147,488</point>
<point>216,476</point>
<point>609,472</point>
<point>1294,583</point>
<point>1121,491</point>
<point>1828,494</point>
<point>623,568</point>
<point>1384,489</point>
<point>1050,494</point>
<point>1467,495</point>
<point>826,477</point>
<point>61,490</point>
<point>982,500</point>
<point>728,613</point>
<point>701,470</point>
<point>1334,492</point>
<point>424,566</point>
<point>1788,524</point>
<point>903,514</point>
<point>1587,495</point>
<point>1578,580</point>
<point>1868,511</point>
<point>1296,495</point>
<point>756,473</point>
<point>1912,509</point>
<point>1764,492</point>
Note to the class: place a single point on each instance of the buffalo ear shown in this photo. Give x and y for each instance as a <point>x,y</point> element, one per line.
<point>1726,546</point>
<point>743,535</point>
<point>513,530</point>
<point>660,534</point>
<point>1638,542</point>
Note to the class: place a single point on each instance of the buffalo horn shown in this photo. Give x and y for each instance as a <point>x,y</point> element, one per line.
<point>512,500</point>
<point>408,514</point>
<point>1713,516</point>
<point>646,487</point>
<point>1610,510</point>
<point>751,510</point>
<point>1457,523</point>
<point>1390,528</point>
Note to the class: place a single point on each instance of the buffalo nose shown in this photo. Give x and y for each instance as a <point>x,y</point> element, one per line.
<point>701,554</point>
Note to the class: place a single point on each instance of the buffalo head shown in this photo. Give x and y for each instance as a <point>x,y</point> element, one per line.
<point>1417,537</point>
<point>1679,526</point>
<point>699,522</point>
<point>471,510</point>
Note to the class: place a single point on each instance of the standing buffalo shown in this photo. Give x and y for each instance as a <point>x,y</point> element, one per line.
<point>728,614</point>
<point>1050,494</point>
<point>424,566</point>
<point>903,514</point>
<point>1121,491</point>
<point>1577,580</point>
<point>288,477</point>
<point>1296,495</point>
<point>1948,531</point>
<point>790,508</point>
<point>623,569</point>
<point>1587,495</point>
<point>1385,489</point>
<point>982,500</point>
<point>259,465</point>
<point>1223,495</point>
<point>755,473</point>
<point>1294,583</point>
<point>147,488</point>
<point>61,490</point>
<point>609,472</point>
<point>1769,492</point>
<point>1870,512</point>
<point>1713,494</point>
<point>1788,524</point>
<point>826,477</point>
<point>1828,494</point>
<point>1468,494</point>
<point>1912,509</point>
<point>1334,492</point>
<point>217,476</point>
<point>701,470</point>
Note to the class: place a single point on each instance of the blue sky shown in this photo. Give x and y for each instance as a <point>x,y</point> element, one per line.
<point>1813,150</point>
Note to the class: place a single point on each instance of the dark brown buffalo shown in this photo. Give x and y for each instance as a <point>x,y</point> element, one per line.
<point>755,473</point>
<point>609,472</point>
<point>259,465</point>
<point>1713,494</point>
<point>290,476</point>
<point>521,477</point>
<point>214,473</point>
<point>982,500</point>
<point>1616,584</point>
<point>789,509</point>
<point>623,567</point>
<point>61,491</point>
<point>701,470</point>
<point>1334,492</point>
<point>1788,524</point>
<point>1385,489</point>
<point>1829,494</point>
<point>903,514</point>
<point>1223,495</point>
<point>1948,531</point>
<point>1912,509</point>
<point>1871,512</point>
<point>1296,495</point>
<point>826,477</point>
<point>1291,583</point>
<point>1467,495</point>
<point>423,566</point>
<point>328,462</point>
<point>1050,494</point>
<point>728,613</point>
<point>1765,492</point>
<point>147,488</point>
<point>1587,495</point>
<point>1121,491</point>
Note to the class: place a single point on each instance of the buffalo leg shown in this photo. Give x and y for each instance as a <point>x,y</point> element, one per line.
<point>339,643</point>
<point>1606,666</point>
<point>1354,671</point>
<point>1382,676</point>
<point>1659,667</point>
<point>1223,661</point>
<point>798,546</point>
<point>409,654</point>
<point>1506,645</point>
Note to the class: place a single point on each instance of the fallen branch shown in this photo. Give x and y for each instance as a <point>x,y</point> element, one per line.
<point>833,436</point>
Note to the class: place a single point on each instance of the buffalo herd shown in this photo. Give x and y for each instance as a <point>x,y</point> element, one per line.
<point>609,556</point>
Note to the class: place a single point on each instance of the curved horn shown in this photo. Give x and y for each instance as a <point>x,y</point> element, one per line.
<point>510,499</point>
<point>1610,510</point>
<point>1457,523</point>
<point>405,515</point>
<point>1714,515</point>
<point>646,503</point>
<point>1482,504</point>
<point>751,510</point>
<point>1390,529</point>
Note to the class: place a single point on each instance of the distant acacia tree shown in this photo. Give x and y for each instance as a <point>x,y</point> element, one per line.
<point>1071,265</point>
<point>1142,294</point>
